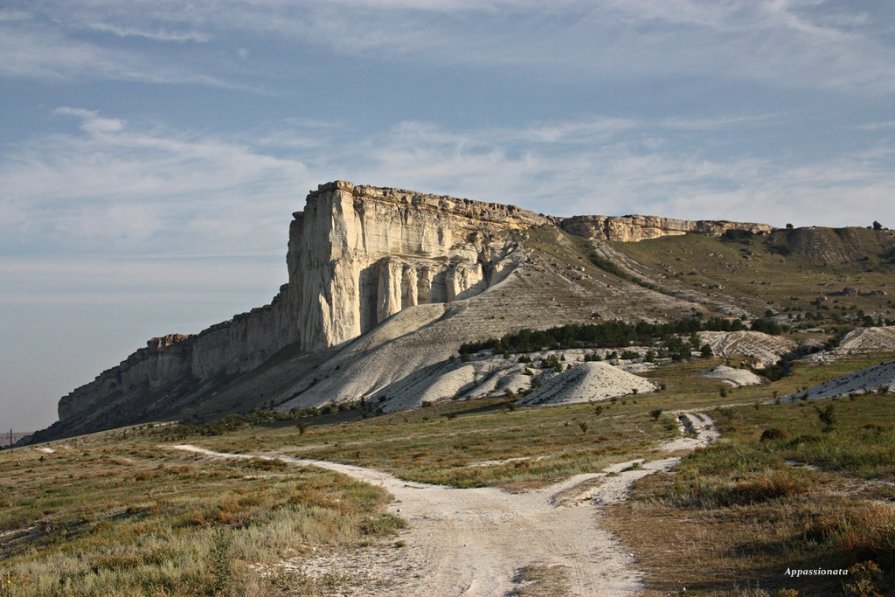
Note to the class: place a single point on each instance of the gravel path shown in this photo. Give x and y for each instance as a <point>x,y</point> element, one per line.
<point>480,541</point>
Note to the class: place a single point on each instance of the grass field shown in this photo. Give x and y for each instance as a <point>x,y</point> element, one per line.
<point>122,513</point>
<point>464,443</point>
<point>782,490</point>
<point>751,273</point>
<point>102,516</point>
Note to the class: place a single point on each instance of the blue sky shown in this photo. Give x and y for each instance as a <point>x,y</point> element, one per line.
<point>152,152</point>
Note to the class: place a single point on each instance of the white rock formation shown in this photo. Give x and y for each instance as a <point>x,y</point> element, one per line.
<point>360,254</point>
<point>867,340</point>
<point>587,382</point>
<point>872,379</point>
<point>762,349</point>
<point>636,228</point>
<point>733,377</point>
<point>357,256</point>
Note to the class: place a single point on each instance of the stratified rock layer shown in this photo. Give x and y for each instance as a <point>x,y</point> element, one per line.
<point>358,256</point>
<point>637,228</point>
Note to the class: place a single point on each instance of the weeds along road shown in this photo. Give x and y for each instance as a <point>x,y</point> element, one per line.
<point>486,541</point>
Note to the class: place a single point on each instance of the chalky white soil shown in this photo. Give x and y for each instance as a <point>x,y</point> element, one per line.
<point>871,379</point>
<point>587,382</point>
<point>734,377</point>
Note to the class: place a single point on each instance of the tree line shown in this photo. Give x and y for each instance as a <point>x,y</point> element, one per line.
<point>611,334</point>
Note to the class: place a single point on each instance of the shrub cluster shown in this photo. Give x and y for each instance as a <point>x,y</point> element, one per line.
<point>610,334</point>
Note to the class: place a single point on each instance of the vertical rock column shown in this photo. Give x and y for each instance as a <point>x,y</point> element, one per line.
<point>409,287</point>
<point>389,296</point>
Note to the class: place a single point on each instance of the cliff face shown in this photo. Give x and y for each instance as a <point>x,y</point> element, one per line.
<point>360,254</point>
<point>357,256</point>
<point>176,360</point>
<point>637,228</point>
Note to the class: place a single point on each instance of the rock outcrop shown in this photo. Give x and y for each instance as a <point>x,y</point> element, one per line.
<point>175,362</point>
<point>358,256</point>
<point>636,228</point>
<point>871,340</point>
<point>588,382</point>
<point>763,350</point>
<point>877,378</point>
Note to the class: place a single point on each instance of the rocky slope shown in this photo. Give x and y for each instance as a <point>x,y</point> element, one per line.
<point>357,255</point>
<point>878,378</point>
<point>588,382</point>
<point>383,283</point>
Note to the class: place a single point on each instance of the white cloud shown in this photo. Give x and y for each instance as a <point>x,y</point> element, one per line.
<point>38,51</point>
<point>635,169</point>
<point>155,34</point>
<point>875,126</point>
<point>91,122</point>
<point>782,43</point>
<point>137,189</point>
<point>140,189</point>
<point>14,15</point>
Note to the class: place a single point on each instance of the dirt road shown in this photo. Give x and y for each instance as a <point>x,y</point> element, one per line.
<point>481,541</point>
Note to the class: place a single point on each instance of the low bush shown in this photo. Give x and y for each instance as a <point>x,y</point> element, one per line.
<point>773,434</point>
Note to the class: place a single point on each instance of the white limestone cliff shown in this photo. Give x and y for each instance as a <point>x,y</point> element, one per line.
<point>636,228</point>
<point>360,254</point>
<point>357,256</point>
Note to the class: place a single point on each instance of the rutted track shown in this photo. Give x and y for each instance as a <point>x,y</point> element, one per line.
<point>476,541</point>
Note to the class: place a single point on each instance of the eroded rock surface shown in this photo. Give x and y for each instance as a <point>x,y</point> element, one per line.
<point>636,228</point>
<point>382,283</point>
<point>360,254</point>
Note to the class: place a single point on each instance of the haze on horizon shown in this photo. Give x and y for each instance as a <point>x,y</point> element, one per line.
<point>152,154</point>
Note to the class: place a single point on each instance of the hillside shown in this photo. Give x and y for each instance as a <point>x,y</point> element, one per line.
<point>384,285</point>
<point>475,498</point>
<point>463,398</point>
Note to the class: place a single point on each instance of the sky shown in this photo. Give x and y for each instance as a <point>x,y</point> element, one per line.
<point>152,152</point>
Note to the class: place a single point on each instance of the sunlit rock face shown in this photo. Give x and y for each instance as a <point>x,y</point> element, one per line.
<point>637,228</point>
<point>359,254</point>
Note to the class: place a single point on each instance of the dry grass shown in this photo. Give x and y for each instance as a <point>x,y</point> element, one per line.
<point>539,580</point>
<point>443,444</point>
<point>751,274</point>
<point>737,515</point>
<point>110,519</point>
<point>117,513</point>
<point>720,550</point>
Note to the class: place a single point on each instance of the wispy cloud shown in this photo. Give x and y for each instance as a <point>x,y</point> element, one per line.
<point>37,51</point>
<point>776,42</point>
<point>636,168</point>
<point>147,189</point>
<point>14,15</point>
<point>876,126</point>
<point>117,186</point>
<point>155,34</point>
